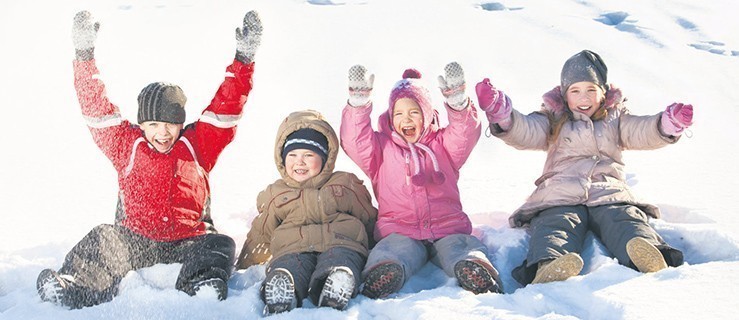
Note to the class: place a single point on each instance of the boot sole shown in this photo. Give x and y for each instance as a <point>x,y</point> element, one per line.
<point>338,289</point>
<point>645,256</point>
<point>279,292</point>
<point>383,280</point>
<point>562,268</point>
<point>475,277</point>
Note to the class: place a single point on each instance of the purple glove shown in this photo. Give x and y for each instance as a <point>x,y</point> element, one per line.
<point>676,118</point>
<point>495,103</point>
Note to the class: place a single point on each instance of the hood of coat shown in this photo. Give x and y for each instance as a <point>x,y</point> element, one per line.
<point>554,102</point>
<point>313,120</point>
<point>385,125</point>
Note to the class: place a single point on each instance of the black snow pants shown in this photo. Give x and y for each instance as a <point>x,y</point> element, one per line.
<point>559,230</point>
<point>103,257</point>
<point>310,270</point>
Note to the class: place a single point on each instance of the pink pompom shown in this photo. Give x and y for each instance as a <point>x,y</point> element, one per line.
<point>411,74</point>
<point>438,177</point>
<point>419,179</point>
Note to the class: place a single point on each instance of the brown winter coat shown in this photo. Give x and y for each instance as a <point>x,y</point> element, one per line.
<point>584,164</point>
<point>332,209</point>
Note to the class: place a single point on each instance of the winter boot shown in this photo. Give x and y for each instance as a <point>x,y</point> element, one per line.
<point>338,289</point>
<point>477,276</point>
<point>645,256</point>
<point>52,286</point>
<point>279,292</point>
<point>383,280</point>
<point>560,269</point>
<point>216,285</point>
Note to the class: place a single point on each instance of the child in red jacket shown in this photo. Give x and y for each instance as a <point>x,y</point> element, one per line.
<point>163,213</point>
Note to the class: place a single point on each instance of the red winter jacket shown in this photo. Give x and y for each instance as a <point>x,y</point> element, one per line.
<point>163,196</point>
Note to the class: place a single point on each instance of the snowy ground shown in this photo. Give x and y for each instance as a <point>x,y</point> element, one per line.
<point>55,185</point>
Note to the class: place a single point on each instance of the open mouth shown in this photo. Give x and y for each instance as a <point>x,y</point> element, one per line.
<point>409,131</point>
<point>163,142</point>
<point>300,171</point>
<point>584,108</point>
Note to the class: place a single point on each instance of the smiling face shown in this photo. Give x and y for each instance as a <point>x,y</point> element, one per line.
<point>161,135</point>
<point>584,97</point>
<point>302,164</point>
<point>408,119</point>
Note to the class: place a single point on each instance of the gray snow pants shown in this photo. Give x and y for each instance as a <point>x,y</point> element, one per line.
<point>310,270</point>
<point>412,254</point>
<point>107,253</point>
<point>560,230</point>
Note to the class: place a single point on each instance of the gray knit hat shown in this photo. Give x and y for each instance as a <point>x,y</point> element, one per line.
<point>163,102</point>
<point>584,66</point>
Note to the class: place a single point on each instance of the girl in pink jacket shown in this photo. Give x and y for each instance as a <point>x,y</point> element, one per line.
<point>584,126</point>
<point>414,165</point>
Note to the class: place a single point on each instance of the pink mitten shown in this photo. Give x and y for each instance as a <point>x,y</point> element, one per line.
<point>495,103</point>
<point>676,118</point>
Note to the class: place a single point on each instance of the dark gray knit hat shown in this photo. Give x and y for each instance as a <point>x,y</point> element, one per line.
<point>306,138</point>
<point>584,66</point>
<point>163,102</point>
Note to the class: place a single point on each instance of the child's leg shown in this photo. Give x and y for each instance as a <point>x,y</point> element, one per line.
<point>616,224</point>
<point>465,257</point>
<point>392,261</point>
<point>206,260</point>
<point>99,261</point>
<point>447,251</point>
<point>300,266</point>
<point>328,261</point>
<point>554,232</point>
<point>410,254</point>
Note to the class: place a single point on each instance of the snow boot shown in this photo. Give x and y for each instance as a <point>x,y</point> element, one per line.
<point>645,256</point>
<point>52,286</point>
<point>338,289</point>
<point>560,269</point>
<point>216,285</point>
<point>383,280</point>
<point>477,276</point>
<point>279,292</point>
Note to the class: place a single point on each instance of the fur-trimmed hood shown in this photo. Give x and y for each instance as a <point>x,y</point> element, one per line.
<point>307,119</point>
<point>554,102</point>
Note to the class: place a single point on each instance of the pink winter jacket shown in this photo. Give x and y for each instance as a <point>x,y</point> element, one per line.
<point>584,165</point>
<point>415,184</point>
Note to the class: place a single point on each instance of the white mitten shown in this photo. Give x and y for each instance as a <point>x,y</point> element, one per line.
<point>249,37</point>
<point>452,86</point>
<point>84,34</point>
<point>360,86</point>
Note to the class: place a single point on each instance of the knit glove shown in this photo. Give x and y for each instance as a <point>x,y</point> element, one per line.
<point>360,86</point>
<point>84,34</point>
<point>495,103</point>
<point>676,118</point>
<point>249,37</point>
<point>452,86</point>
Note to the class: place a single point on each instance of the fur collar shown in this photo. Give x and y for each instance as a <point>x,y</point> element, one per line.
<point>553,101</point>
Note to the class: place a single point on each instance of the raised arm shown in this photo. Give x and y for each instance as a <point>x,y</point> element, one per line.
<point>216,127</point>
<point>112,134</point>
<point>463,131</point>
<point>655,131</point>
<point>358,139</point>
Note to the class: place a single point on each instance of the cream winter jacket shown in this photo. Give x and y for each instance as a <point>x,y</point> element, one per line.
<point>584,164</point>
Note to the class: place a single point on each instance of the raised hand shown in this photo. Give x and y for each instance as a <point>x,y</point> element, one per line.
<point>84,34</point>
<point>360,86</point>
<point>495,103</point>
<point>452,86</point>
<point>676,118</point>
<point>248,37</point>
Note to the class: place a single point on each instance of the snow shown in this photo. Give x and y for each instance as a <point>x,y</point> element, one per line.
<point>55,185</point>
